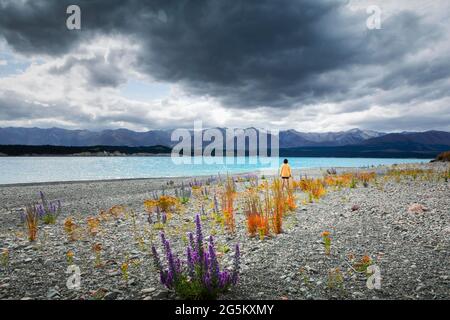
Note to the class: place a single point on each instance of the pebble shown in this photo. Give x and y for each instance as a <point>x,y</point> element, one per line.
<point>52,293</point>
<point>111,295</point>
<point>161,295</point>
<point>265,262</point>
<point>148,290</point>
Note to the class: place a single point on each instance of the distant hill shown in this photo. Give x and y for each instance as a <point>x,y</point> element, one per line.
<point>293,138</point>
<point>21,150</point>
<point>64,137</point>
<point>351,143</point>
<point>407,144</point>
<point>124,137</point>
<point>388,150</point>
<point>424,138</point>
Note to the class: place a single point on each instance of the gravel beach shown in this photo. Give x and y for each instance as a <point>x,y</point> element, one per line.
<point>411,249</point>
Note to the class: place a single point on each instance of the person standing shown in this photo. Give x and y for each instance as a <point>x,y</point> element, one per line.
<point>285,173</point>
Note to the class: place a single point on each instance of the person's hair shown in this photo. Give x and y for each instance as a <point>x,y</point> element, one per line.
<point>285,161</point>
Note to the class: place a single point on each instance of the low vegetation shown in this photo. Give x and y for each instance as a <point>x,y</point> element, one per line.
<point>201,276</point>
<point>259,209</point>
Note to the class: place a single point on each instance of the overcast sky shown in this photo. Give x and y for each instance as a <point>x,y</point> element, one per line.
<point>308,65</point>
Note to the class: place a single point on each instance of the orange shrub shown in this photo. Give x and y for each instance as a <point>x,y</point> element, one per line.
<point>278,206</point>
<point>116,211</point>
<point>365,177</point>
<point>31,218</point>
<point>290,200</point>
<point>93,224</point>
<point>71,229</point>
<point>228,196</point>
<point>257,221</point>
<point>165,204</point>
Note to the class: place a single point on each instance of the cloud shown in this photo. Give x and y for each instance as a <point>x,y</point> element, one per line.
<point>278,63</point>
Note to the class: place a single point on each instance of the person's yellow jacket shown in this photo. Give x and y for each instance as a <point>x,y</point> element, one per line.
<point>285,170</point>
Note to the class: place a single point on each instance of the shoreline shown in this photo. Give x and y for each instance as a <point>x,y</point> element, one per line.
<point>260,172</point>
<point>411,249</point>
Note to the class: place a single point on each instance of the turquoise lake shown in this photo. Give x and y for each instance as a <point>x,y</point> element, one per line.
<point>50,169</point>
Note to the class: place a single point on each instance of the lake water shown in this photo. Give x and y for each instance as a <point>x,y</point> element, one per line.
<point>48,169</point>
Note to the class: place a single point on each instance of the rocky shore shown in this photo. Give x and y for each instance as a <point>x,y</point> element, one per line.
<point>410,247</point>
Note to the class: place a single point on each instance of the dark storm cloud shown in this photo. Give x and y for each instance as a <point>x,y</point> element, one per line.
<point>13,108</point>
<point>246,53</point>
<point>410,122</point>
<point>100,73</point>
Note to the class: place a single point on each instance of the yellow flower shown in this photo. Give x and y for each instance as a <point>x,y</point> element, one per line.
<point>366,259</point>
<point>97,247</point>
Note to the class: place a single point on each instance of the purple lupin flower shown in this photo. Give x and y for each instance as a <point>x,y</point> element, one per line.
<point>156,259</point>
<point>163,218</point>
<point>169,279</point>
<point>163,238</point>
<point>170,259</point>
<point>190,262</point>
<point>204,264</point>
<point>191,240</point>
<point>213,264</point>
<point>177,266</point>
<point>40,210</point>
<point>201,277</point>
<point>207,281</point>
<point>224,279</point>
<point>158,266</point>
<point>195,257</point>
<point>55,208</point>
<point>199,237</point>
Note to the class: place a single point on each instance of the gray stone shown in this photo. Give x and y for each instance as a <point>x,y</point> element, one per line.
<point>161,295</point>
<point>52,293</point>
<point>148,290</point>
<point>111,295</point>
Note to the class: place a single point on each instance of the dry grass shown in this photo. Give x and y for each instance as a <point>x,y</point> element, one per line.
<point>164,203</point>
<point>93,224</point>
<point>71,229</point>
<point>315,188</point>
<point>228,197</point>
<point>257,219</point>
<point>279,202</point>
<point>31,222</point>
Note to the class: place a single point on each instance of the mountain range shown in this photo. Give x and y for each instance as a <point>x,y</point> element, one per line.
<point>287,139</point>
<point>353,142</point>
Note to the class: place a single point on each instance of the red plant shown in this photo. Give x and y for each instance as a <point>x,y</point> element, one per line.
<point>257,221</point>
<point>278,206</point>
<point>290,199</point>
<point>31,221</point>
<point>227,204</point>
